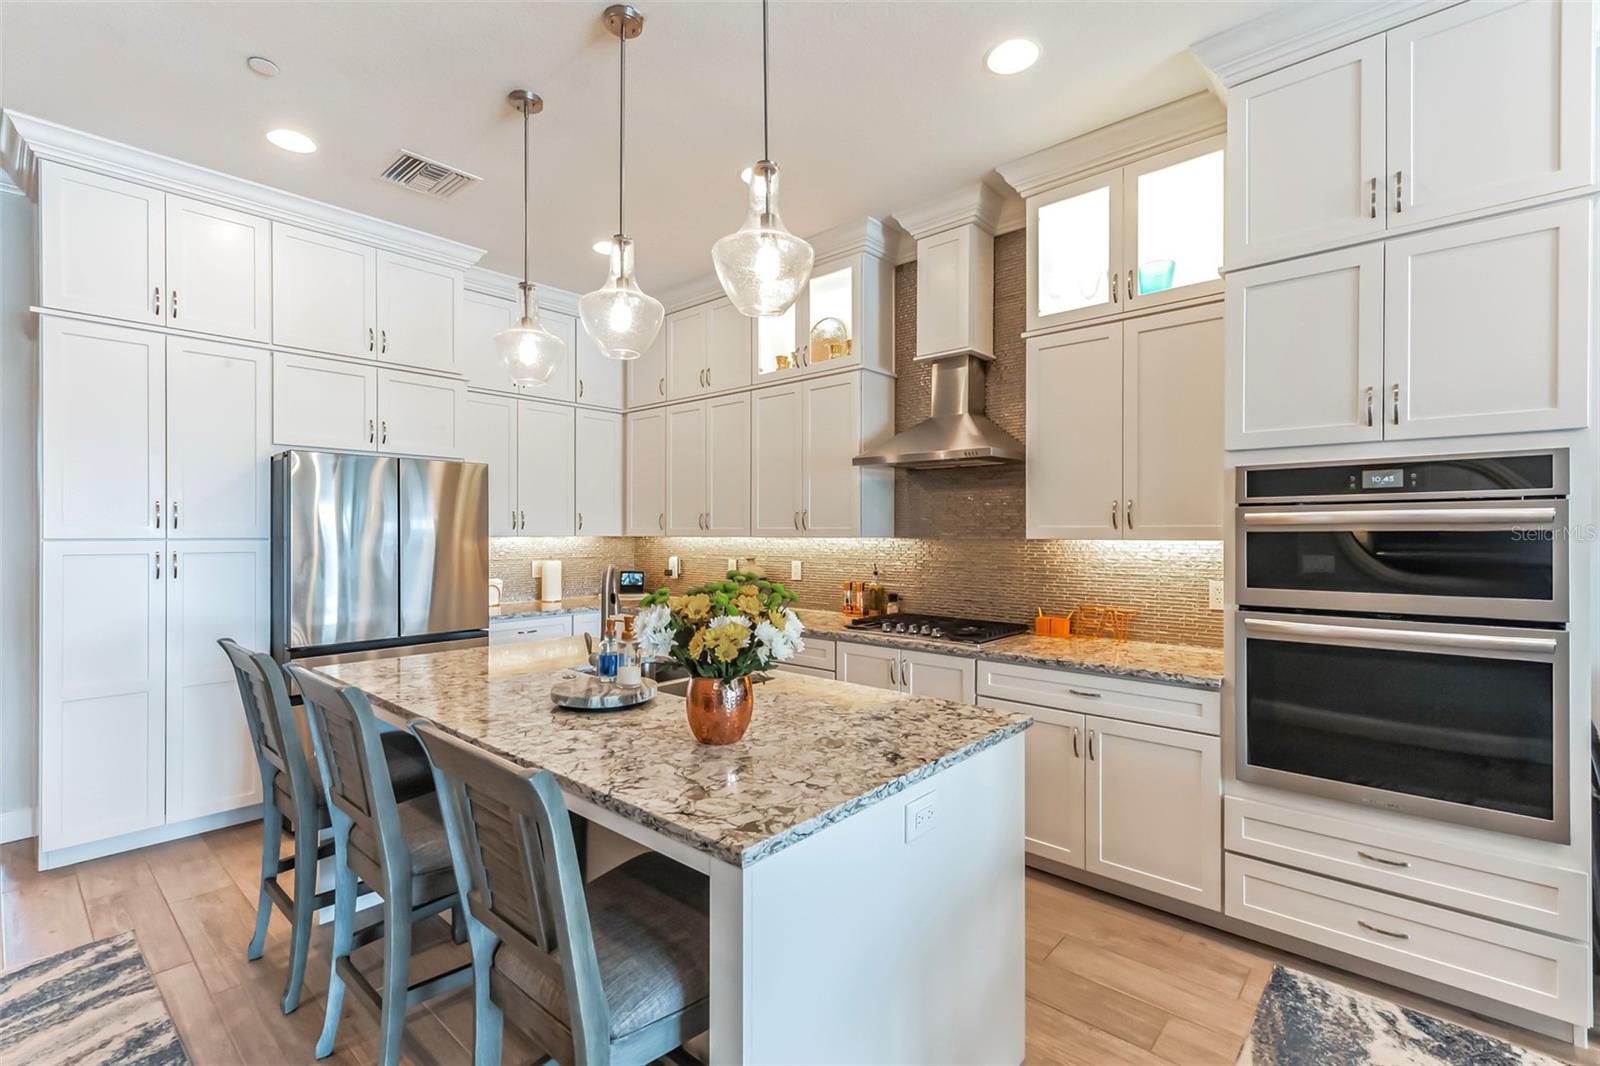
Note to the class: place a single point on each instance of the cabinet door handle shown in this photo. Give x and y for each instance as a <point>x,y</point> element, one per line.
<point>1382,932</point>
<point>805,519</point>
<point>172,299</point>
<point>372,432</point>
<point>1394,396</point>
<point>1127,513</point>
<point>905,676</point>
<point>797,520</point>
<point>661,521</point>
<point>174,566</point>
<point>580,519</point>
<point>1382,861</point>
<point>1077,752</point>
<point>371,340</point>
<point>158,301</point>
<point>383,431</point>
<point>1372,198</point>
<point>174,514</point>
<point>1369,406</point>
<point>1115,288</point>
<point>513,518</point>
<point>708,377</point>
<point>661,385</point>
<point>523,515</point>
<point>894,678</point>
<point>383,341</point>
<point>580,388</point>
<point>158,514</point>
<point>1130,283</point>
<point>158,566</point>
<point>1091,745</point>
<point>1085,695</point>
<point>1114,524</point>
<point>1399,197</point>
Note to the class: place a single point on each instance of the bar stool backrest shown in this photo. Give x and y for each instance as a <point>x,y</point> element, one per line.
<point>270,717</point>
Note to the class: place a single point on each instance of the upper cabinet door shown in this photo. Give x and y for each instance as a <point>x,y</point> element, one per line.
<point>490,437</point>
<point>545,470</point>
<point>686,470</point>
<point>1075,251</point>
<point>1304,358</point>
<point>778,345</point>
<point>419,414</point>
<point>324,403</point>
<point>1172,241</point>
<point>830,499</point>
<point>647,375</point>
<point>419,309</point>
<point>1489,103</point>
<point>219,270</point>
<point>728,465</point>
<point>1172,425</point>
<point>219,436</point>
<point>775,485</point>
<point>104,245</point>
<point>646,475</point>
<point>687,335</point>
<point>599,473</point>
<point>729,339</point>
<point>102,431</point>
<point>563,383</point>
<point>1075,395</point>
<point>1487,325</point>
<point>599,375</point>
<point>482,316</point>
<point>1306,155</point>
<point>324,293</point>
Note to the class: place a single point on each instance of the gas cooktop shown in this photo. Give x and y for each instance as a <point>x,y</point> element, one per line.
<point>940,627</point>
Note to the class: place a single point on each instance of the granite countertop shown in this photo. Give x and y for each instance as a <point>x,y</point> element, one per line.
<point>1173,664</point>
<point>817,750</point>
<point>536,608</point>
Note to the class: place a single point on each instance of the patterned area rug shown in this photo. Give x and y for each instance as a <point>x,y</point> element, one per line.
<point>1304,1020</point>
<point>94,1004</point>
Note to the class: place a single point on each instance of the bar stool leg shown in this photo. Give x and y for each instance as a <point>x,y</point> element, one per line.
<point>396,968</point>
<point>305,907</point>
<point>488,1023</point>
<point>344,921</point>
<point>271,841</point>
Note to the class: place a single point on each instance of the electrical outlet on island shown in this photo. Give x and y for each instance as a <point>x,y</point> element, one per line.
<point>919,815</point>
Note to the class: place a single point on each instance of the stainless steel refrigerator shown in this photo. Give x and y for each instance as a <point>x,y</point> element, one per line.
<point>374,553</point>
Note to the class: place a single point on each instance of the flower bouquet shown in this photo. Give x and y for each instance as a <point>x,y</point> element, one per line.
<point>722,632</point>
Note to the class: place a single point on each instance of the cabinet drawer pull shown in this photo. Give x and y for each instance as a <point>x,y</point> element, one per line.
<point>1382,932</point>
<point>158,514</point>
<point>1085,695</point>
<point>1382,860</point>
<point>1077,753</point>
<point>1372,199</point>
<point>1091,745</point>
<point>158,301</point>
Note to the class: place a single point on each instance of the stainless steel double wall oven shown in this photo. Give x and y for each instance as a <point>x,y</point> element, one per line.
<point>1402,636</point>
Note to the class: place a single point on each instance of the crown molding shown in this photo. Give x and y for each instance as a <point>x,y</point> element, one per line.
<point>977,204</point>
<point>25,141</point>
<point>870,236</point>
<point>1145,134</point>
<point>1299,31</point>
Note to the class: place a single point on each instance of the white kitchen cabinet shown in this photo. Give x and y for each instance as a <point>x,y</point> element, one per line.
<point>729,337</point>
<point>102,690</point>
<point>563,383</point>
<point>727,451</point>
<point>599,473</point>
<point>1172,425</point>
<point>419,312</point>
<point>1074,254</point>
<point>482,316</point>
<point>419,414</point>
<point>646,443</point>
<point>545,470</point>
<point>1153,809</point>
<point>776,463</point>
<point>520,630</point>
<point>1489,104</point>
<point>646,376</point>
<point>324,403</point>
<point>324,293</point>
<point>102,431</point>
<point>1305,351</point>
<point>1074,395</point>
<point>686,467</point>
<point>867,664</point>
<point>219,270</point>
<point>831,436</point>
<point>1053,793</point>
<point>854,289</point>
<point>1306,155</point>
<point>916,673</point>
<point>214,589</point>
<point>1487,325</point>
<point>489,436</point>
<point>687,333</point>
<point>599,375</point>
<point>102,245</point>
<point>957,264</point>
<point>219,438</point>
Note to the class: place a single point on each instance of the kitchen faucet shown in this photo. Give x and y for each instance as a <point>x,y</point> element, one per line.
<point>610,594</point>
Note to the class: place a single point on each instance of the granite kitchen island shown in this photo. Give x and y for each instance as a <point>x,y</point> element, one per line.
<point>864,848</point>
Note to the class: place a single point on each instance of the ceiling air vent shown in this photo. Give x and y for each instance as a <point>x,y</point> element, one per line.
<point>426,176</point>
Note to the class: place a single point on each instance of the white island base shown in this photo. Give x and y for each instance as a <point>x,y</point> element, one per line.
<point>859,945</point>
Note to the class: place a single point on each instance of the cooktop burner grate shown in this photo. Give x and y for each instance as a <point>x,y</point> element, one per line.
<point>940,627</point>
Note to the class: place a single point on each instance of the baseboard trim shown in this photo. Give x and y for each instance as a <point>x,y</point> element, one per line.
<point>16,825</point>
<point>50,860</point>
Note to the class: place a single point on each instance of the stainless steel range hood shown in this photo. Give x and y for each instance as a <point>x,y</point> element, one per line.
<point>956,431</point>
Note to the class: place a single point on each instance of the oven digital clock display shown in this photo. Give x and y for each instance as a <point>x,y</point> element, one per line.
<point>1393,477</point>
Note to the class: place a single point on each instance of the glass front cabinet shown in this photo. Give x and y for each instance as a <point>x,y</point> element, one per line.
<point>1145,234</point>
<point>840,320</point>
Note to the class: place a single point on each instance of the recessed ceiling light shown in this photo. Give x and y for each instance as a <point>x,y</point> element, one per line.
<point>262,66</point>
<point>1012,57</point>
<point>744,175</point>
<point>292,141</point>
<point>603,247</point>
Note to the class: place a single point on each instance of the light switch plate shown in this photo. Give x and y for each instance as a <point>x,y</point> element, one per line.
<point>794,570</point>
<point>1214,595</point>
<point>919,815</point>
<point>733,564</point>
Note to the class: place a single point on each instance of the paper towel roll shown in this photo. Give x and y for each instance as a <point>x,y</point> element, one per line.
<point>550,579</point>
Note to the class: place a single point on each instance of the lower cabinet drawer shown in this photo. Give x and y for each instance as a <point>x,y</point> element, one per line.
<point>1173,706</point>
<point>1526,969</point>
<point>809,671</point>
<point>818,654</point>
<point>1499,887</point>
<point>518,629</point>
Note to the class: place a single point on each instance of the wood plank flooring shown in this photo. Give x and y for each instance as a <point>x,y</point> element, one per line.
<point>1108,981</point>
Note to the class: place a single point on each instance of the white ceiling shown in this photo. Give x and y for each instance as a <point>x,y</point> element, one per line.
<point>876,105</point>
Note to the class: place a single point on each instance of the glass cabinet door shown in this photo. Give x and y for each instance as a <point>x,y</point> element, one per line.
<point>1174,232</point>
<point>819,330</point>
<point>777,343</point>
<point>1073,252</point>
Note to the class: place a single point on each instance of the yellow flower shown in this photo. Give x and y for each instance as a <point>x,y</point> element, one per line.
<point>749,590</point>
<point>748,603</point>
<point>725,642</point>
<point>691,609</point>
<point>697,642</point>
<point>776,617</point>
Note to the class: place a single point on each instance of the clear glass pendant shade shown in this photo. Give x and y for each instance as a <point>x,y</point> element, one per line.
<point>762,266</point>
<point>530,352</point>
<point>622,319</point>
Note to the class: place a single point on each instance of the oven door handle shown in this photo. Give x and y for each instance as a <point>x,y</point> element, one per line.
<point>1424,518</point>
<point>1404,638</point>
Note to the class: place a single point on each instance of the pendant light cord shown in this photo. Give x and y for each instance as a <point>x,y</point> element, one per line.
<point>766,147</point>
<point>622,117</point>
<point>525,167</point>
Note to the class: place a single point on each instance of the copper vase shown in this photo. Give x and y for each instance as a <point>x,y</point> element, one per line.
<point>719,711</point>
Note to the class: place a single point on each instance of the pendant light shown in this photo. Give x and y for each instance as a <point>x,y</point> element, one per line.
<point>621,318</point>
<point>762,266</point>
<point>530,352</point>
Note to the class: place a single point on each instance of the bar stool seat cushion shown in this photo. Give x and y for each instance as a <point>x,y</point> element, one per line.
<point>651,940</point>
<point>432,876</point>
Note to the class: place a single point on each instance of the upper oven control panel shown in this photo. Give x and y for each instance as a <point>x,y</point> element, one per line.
<point>1469,476</point>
